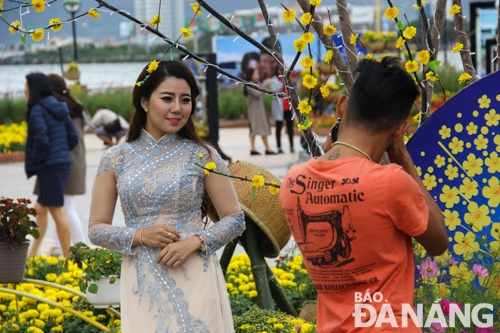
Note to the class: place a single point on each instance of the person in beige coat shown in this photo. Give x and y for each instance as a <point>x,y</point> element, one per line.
<point>257,115</point>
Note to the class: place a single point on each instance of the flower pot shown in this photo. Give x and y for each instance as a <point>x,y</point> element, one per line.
<point>332,97</point>
<point>72,75</point>
<point>13,263</point>
<point>326,69</point>
<point>376,46</point>
<point>108,295</point>
<point>391,46</point>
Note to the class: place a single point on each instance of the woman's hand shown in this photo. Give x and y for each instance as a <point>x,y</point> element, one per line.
<point>174,254</point>
<point>159,236</point>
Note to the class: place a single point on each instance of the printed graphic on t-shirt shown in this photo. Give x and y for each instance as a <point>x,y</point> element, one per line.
<point>325,231</point>
<point>326,237</point>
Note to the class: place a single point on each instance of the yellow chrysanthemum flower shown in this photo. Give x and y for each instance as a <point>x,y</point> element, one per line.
<point>153,65</point>
<point>457,48</point>
<point>328,56</point>
<point>139,83</point>
<point>56,24</point>
<point>305,125</point>
<point>156,20</point>
<point>369,56</point>
<point>455,9</point>
<point>200,155</point>
<point>423,57</point>
<point>400,42</point>
<point>431,76</point>
<point>38,5</point>
<point>315,2</point>
<point>464,77</point>
<point>196,8</point>
<point>409,32</point>
<point>186,32</point>
<point>309,81</point>
<point>93,13</point>
<point>329,29</point>
<point>391,13</point>
<point>307,37</point>
<point>37,35</point>
<point>258,181</point>
<point>306,18</point>
<point>273,189</point>
<point>299,45</point>
<point>307,62</point>
<point>288,15</point>
<point>411,66</point>
<point>325,91</point>
<point>354,38</point>
<point>304,107</point>
<point>210,166</point>
<point>13,26</point>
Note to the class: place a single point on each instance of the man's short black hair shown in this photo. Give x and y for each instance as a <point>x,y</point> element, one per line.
<point>381,97</point>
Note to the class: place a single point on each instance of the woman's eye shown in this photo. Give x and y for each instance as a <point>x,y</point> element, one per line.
<point>187,100</point>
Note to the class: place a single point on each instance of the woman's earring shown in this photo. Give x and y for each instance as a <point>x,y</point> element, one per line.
<point>335,130</point>
<point>145,110</point>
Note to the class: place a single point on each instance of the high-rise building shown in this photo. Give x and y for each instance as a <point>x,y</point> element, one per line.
<point>172,19</point>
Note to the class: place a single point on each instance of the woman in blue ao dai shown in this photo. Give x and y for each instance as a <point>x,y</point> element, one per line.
<point>171,280</point>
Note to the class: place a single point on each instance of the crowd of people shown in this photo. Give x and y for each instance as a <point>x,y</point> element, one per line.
<point>171,278</point>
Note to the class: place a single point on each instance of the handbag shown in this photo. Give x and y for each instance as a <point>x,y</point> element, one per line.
<point>113,126</point>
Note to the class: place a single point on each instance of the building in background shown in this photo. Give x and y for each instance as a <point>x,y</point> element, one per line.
<point>172,19</point>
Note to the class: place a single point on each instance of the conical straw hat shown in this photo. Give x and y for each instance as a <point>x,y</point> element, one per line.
<point>264,209</point>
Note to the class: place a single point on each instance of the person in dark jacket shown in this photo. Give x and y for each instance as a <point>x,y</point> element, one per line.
<point>51,135</point>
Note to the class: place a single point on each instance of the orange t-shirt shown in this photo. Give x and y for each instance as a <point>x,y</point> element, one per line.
<point>352,220</point>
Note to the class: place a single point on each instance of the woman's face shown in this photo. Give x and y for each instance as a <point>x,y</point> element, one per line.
<point>169,107</point>
<point>26,92</point>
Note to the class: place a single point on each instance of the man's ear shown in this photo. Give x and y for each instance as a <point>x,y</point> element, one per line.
<point>401,130</point>
<point>341,106</point>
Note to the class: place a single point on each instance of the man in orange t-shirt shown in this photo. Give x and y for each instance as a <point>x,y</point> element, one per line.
<point>353,219</point>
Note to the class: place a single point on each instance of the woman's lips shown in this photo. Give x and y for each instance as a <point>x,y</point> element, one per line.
<point>174,121</point>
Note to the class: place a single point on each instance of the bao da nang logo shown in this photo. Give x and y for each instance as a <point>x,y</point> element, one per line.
<point>366,314</point>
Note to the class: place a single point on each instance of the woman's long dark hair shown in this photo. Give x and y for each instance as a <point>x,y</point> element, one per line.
<point>166,69</point>
<point>248,77</point>
<point>39,86</point>
<point>63,94</point>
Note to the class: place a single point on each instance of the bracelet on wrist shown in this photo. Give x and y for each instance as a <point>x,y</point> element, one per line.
<point>140,236</point>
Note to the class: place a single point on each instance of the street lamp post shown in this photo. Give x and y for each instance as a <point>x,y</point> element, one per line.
<point>72,6</point>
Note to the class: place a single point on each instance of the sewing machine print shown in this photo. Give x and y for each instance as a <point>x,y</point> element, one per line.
<point>326,237</point>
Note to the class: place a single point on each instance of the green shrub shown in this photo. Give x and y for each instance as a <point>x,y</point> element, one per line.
<point>118,100</point>
<point>232,103</point>
<point>12,110</point>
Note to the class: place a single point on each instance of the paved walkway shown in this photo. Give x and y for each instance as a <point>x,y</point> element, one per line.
<point>234,142</point>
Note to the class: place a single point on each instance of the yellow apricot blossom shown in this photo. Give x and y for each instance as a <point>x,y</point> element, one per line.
<point>288,15</point>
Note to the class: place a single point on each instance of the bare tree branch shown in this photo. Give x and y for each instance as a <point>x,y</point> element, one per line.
<point>345,24</point>
<point>314,146</point>
<point>328,42</point>
<point>182,48</point>
<point>462,38</point>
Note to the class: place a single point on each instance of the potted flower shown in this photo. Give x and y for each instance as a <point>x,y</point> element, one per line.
<point>374,41</point>
<point>15,225</point>
<point>101,274</point>
<point>390,40</point>
<point>72,71</point>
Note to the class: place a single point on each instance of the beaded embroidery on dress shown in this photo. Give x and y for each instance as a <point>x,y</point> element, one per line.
<point>159,182</point>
